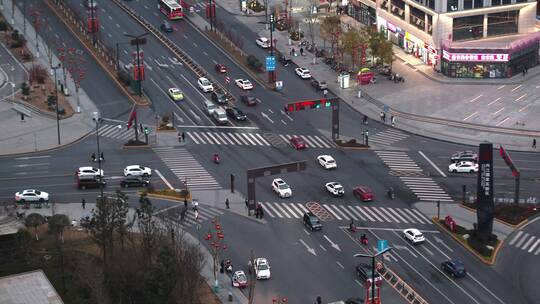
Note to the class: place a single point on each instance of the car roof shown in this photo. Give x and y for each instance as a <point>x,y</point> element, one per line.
<point>263,38</point>
<point>362,188</point>
<point>134,167</point>
<point>413,230</point>
<point>87,168</point>
<point>326,156</point>
<point>174,90</point>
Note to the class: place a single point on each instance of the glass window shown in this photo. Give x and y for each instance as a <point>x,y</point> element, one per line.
<point>478,3</point>
<point>466,28</point>
<point>496,2</point>
<point>417,18</point>
<point>452,5</point>
<point>384,5</point>
<point>502,23</point>
<point>431,4</point>
<point>506,2</point>
<point>430,24</point>
<point>398,8</point>
<point>467,4</point>
<point>520,1</point>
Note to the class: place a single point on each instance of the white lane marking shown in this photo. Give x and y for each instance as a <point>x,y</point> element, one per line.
<point>32,157</point>
<point>283,122</point>
<point>194,44</point>
<point>205,53</point>
<point>285,114</point>
<point>164,180</point>
<point>525,107</point>
<point>503,121</point>
<point>476,98</point>
<point>470,116</point>
<point>494,101</point>
<point>169,98</point>
<point>431,163</point>
<point>331,211</point>
<point>519,86</point>
<point>520,97</point>
<point>501,87</point>
<point>526,245</point>
<point>274,210</point>
<point>522,240</point>
<point>340,265</point>
<point>498,111</point>
<point>534,245</point>
<point>267,210</point>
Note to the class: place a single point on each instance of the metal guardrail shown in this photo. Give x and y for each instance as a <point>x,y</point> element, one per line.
<point>407,292</point>
<point>176,50</point>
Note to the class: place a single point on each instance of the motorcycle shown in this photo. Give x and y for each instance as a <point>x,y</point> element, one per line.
<point>228,266</point>
<point>352,227</point>
<point>216,158</point>
<point>391,194</point>
<point>363,239</point>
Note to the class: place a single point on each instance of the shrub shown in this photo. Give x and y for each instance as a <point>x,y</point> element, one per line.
<point>255,6</point>
<point>254,62</point>
<point>37,74</point>
<point>3,26</point>
<point>282,25</point>
<point>296,35</point>
<point>124,77</point>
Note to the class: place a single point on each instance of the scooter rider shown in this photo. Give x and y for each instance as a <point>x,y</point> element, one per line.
<point>352,227</point>
<point>93,156</point>
<point>363,239</point>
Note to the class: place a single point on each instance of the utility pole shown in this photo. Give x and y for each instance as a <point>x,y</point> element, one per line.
<point>211,14</point>
<point>272,74</point>
<point>139,69</point>
<point>253,277</point>
<point>56,95</point>
<point>98,120</point>
<point>36,14</point>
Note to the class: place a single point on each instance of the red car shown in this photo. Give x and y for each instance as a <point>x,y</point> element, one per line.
<point>221,68</point>
<point>298,143</point>
<point>363,193</point>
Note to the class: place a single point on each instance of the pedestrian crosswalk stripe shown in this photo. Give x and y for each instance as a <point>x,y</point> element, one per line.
<point>518,235</point>
<point>255,139</point>
<point>331,211</point>
<point>311,142</point>
<point>285,139</point>
<point>220,139</point>
<point>278,206</point>
<point>296,208</point>
<point>420,215</point>
<point>287,206</point>
<point>524,247</point>
<point>353,211</point>
<point>370,211</point>
<point>230,136</point>
<point>397,214</point>
<point>534,245</point>
<point>368,215</point>
<point>386,210</point>
<point>388,137</point>
<point>267,209</point>
<point>382,214</point>
<point>262,139</point>
<point>193,138</point>
<point>520,242</point>
<point>411,214</point>
<point>343,215</point>
<point>274,210</point>
<point>350,214</point>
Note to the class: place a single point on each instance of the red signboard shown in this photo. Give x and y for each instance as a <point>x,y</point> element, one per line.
<point>506,157</point>
<point>138,70</point>
<point>93,25</point>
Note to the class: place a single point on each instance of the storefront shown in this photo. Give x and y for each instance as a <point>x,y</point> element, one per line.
<point>496,64</point>
<point>393,33</point>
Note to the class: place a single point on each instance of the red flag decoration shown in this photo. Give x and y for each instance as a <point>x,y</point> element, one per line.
<point>132,116</point>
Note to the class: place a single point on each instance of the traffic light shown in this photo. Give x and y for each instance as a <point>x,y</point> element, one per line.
<point>310,104</point>
<point>146,130</point>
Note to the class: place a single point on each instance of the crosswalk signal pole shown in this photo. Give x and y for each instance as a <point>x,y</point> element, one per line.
<point>232,183</point>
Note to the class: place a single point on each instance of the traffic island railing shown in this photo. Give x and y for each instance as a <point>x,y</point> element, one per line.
<point>351,144</point>
<point>197,69</point>
<point>406,291</point>
<point>97,50</point>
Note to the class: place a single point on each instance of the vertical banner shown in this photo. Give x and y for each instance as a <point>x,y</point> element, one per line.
<point>484,191</point>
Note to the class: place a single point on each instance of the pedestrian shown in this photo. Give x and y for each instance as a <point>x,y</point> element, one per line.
<point>183,137</point>
<point>185,202</point>
<point>301,51</point>
<point>183,214</point>
<point>222,264</point>
<point>83,204</point>
<point>227,203</point>
<point>382,116</point>
<point>102,156</point>
<point>261,213</point>
<point>138,212</point>
<point>534,143</point>
<point>325,93</point>
<point>393,120</point>
<point>365,121</point>
<point>247,203</point>
<point>292,51</point>
<point>524,72</point>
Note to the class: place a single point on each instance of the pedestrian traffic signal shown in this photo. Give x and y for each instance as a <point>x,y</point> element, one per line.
<point>146,130</point>
<point>310,104</point>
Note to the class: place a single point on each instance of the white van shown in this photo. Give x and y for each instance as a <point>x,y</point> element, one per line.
<point>209,106</point>
<point>220,115</point>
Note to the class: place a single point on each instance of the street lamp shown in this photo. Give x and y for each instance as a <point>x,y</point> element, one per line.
<point>373,256</point>
<point>137,40</point>
<point>98,121</point>
<point>56,95</point>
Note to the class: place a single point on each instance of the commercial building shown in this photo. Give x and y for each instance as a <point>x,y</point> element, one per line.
<point>460,38</point>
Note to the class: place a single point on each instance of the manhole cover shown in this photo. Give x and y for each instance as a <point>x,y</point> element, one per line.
<point>406,173</point>
<point>319,211</point>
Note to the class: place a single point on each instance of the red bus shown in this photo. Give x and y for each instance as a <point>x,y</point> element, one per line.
<point>172,9</point>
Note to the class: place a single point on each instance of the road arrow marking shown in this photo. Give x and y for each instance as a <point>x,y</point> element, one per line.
<point>31,157</point>
<point>196,116</point>
<point>283,112</point>
<point>28,165</point>
<point>309,249</point>
<point>164,180</point>
<point>438,240</point>
<point>340,265</point>
<point>266,116</point>
<point>322,247</point>
<point>336,246</point>
<point>179,118</point>
<point>400,247</point>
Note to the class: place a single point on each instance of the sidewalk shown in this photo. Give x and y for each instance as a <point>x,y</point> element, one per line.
<point>74,211</point>
<point>39,132</point>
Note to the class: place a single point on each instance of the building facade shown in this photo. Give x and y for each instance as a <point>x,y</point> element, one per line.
<point>460,38</point>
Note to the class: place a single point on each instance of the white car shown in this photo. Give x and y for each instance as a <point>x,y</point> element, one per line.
<point>205,85</point>
<point>463,166</point>
<point>31,195</point>
<point>414,235</point>
<point>263,42</point>
<point>327,162</point>
<point>303,73</point>
<point>262,269</point>
<point>137,170</point>
<point>335,188</point>
<point>281,188</point>
<point>90,171</point>
<point>243,84</point>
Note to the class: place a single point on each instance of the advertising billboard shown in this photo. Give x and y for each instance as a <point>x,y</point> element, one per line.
<point>484,191</point>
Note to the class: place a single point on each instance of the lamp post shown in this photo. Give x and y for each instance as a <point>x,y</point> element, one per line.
<point>98,121</point>
<point>56,95</point>
<point>138,40</point>
<point>118,54</point>
<point>373,256</point>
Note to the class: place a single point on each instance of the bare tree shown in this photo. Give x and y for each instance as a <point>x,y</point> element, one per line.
<point>148,228</point>
<point>330,30</point>
<point>57,224</point>
<point>34,220</point>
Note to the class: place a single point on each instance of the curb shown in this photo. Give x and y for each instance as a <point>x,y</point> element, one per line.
<point>517,226</point>
<point>490,262</point>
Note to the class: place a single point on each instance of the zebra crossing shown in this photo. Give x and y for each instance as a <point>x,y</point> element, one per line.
<point>425,188</point>
<point>252,139</point>
<point>204,213</point>
<point>348,212</point>
<point>118,131</point>
<point>526,242</point>
<point>388,137</point>
<point>187,168</point>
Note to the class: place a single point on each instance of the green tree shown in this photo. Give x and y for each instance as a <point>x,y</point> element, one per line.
<point>23,243</point>
<point>34,220</point>
<point>374,40</point>
<point>164,275</point>
<point>57,224</point>
<point>386,52</point>
<point>350,42</point>
<point>330,30</point>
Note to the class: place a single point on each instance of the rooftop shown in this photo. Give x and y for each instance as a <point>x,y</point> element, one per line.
<point>502,42</point>
<point>28,287</point>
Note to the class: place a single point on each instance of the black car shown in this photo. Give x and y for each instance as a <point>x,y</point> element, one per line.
<point>236,113</point>
<point>249,100</point>
<point>87,182</point>
<point>134,181</point>
<point>319,85</point>
<point>311,221</point>
<point>455,268</point>
<point>166,27</point>
<point>220,97</point>
<point>464,156</point>
<point>364,272</point>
